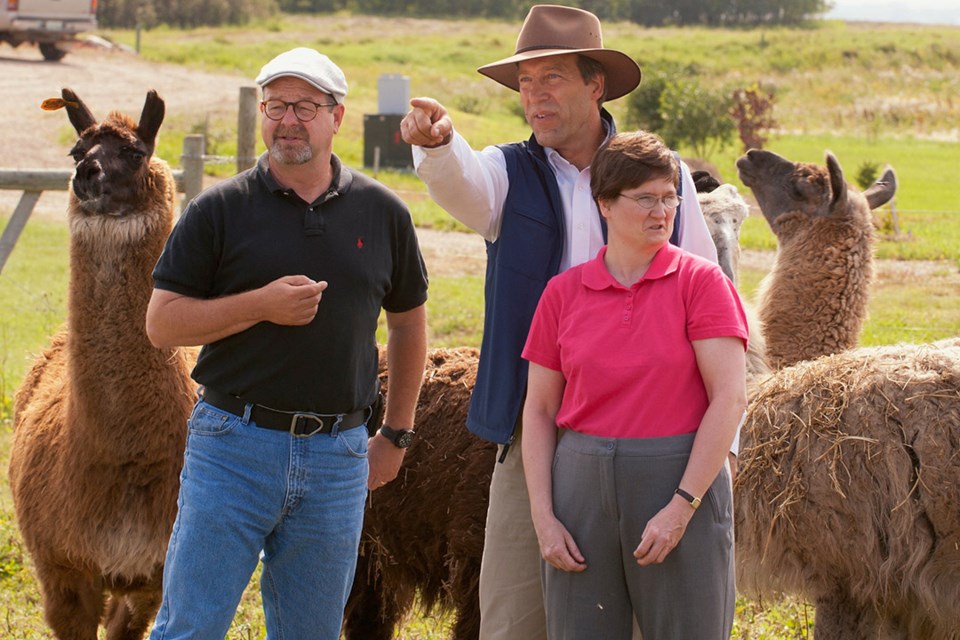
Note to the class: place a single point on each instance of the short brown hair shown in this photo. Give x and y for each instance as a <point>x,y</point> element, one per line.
<point>590,69</point>
<point>628,160</point>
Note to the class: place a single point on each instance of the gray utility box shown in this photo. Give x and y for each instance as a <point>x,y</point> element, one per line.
<point>393,92</point>
<point>381,131</point>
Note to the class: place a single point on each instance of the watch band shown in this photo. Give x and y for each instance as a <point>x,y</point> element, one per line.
<point>693,500</point>
<point>401,438</point>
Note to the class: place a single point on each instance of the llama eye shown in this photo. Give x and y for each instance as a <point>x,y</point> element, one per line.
<point>132,153</point>
<point>77,155</point>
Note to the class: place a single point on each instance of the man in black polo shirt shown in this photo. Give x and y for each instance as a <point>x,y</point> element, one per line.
<point>281,273</point>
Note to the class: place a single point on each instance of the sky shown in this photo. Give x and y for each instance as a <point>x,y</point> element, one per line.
<point>921,11</point>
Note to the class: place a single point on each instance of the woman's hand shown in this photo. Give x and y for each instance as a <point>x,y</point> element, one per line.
<point>663,532</point>
<point>557,546</point>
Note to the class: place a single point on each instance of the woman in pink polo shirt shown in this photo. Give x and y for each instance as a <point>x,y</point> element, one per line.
<point>639,356</point>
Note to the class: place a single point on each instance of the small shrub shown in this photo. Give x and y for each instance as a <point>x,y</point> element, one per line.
<point>867,173</point>
<point>753,113</point>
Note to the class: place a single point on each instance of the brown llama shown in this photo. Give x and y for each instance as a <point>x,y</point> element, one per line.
<point>100,420</point>
<point>814,300</point>
<point>849,488</point>
<point>847,460</point>
<point>423,533</point>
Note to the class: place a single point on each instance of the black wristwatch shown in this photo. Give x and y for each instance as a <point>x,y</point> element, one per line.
<point>401,438</point>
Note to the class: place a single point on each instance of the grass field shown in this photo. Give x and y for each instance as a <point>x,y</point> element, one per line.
<point>882,94</point>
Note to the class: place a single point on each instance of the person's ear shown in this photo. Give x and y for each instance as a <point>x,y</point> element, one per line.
<point>604,207</point>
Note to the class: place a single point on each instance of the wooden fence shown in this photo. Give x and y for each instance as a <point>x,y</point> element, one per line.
<point>189,178</point>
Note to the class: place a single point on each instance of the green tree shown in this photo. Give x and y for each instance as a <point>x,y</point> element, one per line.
<point>695,117</point>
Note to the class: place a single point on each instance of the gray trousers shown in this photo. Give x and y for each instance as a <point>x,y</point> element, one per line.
<point>604,491</point>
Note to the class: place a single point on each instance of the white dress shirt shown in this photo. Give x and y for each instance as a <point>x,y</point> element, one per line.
<point>472,187</point>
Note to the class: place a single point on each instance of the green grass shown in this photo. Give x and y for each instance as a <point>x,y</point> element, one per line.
<point>885,94</point>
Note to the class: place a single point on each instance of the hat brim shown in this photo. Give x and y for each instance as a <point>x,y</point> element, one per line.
<point>622,71</point>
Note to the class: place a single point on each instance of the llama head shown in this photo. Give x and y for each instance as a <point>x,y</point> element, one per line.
<point>112,157</point>
<point>786,190</point>
<point>724,211</point>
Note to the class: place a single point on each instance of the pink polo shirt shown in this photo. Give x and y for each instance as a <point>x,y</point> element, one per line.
<point>626,353</point>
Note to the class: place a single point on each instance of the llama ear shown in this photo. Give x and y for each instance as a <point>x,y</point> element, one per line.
<point>77,111</point>
<point>151,117</point>
<point>881,191</point>
<point>838,186</point>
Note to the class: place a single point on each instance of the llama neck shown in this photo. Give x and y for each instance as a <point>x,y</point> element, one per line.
<point>109,352</point>
<point>814,301</point>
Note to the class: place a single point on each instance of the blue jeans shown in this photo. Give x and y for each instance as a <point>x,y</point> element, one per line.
<point>244,489</point>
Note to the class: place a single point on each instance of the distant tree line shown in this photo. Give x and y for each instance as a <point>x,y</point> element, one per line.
<point>651,13</point>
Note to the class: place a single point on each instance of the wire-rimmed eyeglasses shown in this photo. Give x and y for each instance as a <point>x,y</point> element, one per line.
<point>304,110</point>
<point>647,201</point>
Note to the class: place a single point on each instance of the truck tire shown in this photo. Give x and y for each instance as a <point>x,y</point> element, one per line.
<point>50,51</point>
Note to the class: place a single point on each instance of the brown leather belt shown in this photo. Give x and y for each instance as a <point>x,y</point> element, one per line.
<point>300,424</point>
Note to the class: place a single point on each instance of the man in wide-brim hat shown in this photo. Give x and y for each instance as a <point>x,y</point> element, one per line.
<point>531,202</point>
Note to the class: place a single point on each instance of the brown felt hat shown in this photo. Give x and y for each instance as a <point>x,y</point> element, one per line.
<point>551,30</point>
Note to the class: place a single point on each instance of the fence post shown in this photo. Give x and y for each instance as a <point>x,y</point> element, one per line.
<point>192,161</point>
<point>247,129</point>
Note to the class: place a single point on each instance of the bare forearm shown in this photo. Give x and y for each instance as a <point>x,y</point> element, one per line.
<point>406,356</point>
<point>712,444</point>
<point>175,320</point>
<point>538,446</point>
<point>722,366</point>
<point>183,321</point>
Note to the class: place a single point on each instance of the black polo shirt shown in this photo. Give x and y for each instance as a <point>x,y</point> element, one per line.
<point>248,231</point>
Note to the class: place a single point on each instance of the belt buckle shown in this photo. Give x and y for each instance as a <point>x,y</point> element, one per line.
<point>295,422</point>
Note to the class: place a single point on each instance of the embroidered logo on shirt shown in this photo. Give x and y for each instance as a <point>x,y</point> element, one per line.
<point>359,242</point>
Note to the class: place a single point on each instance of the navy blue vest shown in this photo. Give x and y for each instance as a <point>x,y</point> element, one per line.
<point>520,261</point>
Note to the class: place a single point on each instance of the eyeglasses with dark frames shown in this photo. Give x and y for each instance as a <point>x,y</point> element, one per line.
<point>304,110</point>
<point>647,202</point>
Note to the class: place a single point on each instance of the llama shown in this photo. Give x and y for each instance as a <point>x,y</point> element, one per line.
<point>423,533</point>
<point>724,211</point>
<point>846,461</point>
<point>848,490</point>
<point>814,300</point>
<point>100,420</point>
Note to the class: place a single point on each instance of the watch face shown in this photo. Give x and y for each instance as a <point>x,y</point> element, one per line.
<point>404,439</point>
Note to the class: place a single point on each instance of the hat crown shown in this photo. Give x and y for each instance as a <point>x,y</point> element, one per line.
<point>551,30</point>
<point>555,27</point>
<point>308,65</point>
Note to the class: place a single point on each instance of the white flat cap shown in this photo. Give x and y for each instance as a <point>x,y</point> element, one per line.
<point>308,65</point>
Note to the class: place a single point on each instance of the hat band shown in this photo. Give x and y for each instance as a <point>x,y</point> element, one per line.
<point>548,46</point>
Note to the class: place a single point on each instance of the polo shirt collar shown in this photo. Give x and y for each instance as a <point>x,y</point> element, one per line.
<point>595,275</point>
<point>339,183</point>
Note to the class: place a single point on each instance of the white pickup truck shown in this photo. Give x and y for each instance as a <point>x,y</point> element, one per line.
<point>52,24</point>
